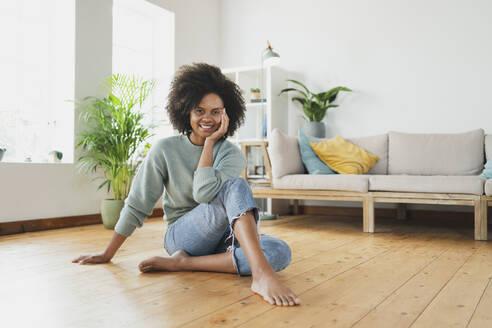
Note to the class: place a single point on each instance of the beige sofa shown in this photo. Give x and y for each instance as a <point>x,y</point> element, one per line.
<point>412,169</point>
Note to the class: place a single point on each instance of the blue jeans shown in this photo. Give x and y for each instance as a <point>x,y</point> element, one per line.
<point>207,229</point>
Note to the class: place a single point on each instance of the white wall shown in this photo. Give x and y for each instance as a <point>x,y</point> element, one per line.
<point>197,30</point>
<point>30,191</point>
<point>415,66</point>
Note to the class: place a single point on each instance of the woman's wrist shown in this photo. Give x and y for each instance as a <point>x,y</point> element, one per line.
<point>206,159</point>
<point>209,141</point>
<point>108,254</point>
<point>114,245</point>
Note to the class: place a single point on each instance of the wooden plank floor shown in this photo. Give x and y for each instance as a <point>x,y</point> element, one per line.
<point>412,273</point>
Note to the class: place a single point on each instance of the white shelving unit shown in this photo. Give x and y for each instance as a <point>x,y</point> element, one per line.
<point>261,117</point>
<point>274,109</point>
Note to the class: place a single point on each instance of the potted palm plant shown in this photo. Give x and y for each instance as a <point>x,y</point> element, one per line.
<point>115,138</point>
<point>314,106</point>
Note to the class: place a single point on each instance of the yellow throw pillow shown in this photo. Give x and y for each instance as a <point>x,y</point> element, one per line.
<point>344,157</point>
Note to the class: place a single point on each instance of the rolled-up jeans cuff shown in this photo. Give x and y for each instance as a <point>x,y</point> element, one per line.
<point>233,246</point>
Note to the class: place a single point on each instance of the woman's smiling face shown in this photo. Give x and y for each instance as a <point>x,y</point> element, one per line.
<point>205,118</point>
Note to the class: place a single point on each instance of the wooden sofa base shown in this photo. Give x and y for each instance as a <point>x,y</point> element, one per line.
<point>480,203</point>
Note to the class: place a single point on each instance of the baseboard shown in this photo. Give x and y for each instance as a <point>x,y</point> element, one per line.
<point>8,228</point>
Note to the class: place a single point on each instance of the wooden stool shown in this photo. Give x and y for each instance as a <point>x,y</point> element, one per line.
<point>266,159</point>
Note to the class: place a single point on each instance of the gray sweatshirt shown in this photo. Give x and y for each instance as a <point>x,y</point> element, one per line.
<point>171,164</point>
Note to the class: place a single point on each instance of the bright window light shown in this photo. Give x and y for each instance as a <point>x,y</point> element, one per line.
<point>143,45</point>
<point>37,64</point>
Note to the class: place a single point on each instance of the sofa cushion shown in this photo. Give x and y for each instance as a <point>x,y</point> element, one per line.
<point>343,156</point>
<point>488,187</point>
<point>487,170</point>
<point>436,154</point>
<point>377,145</point>
<point>313,164</point>
<point>284,154</point>
<point>437,184</point>
<point>346,182</point>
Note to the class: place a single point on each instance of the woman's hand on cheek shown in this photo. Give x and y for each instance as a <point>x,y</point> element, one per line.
<point>222,130</point>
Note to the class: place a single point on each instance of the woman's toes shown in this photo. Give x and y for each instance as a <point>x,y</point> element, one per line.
<point>145,265</point>
<point>269,300</point>
<point>145,262</point>
<point>293,298</point>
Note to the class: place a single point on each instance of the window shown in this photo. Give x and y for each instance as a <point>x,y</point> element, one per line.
<point>143,45</point>
<point>37,64</point>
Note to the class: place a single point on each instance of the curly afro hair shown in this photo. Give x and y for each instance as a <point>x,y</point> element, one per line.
<point>191,83</point>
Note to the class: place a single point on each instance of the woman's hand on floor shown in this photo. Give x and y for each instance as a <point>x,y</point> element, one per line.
<point>105,256</point>
<point>96,258</point>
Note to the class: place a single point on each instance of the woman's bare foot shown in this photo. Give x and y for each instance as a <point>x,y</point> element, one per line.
<point>273,290</point>
<point>157,263</point>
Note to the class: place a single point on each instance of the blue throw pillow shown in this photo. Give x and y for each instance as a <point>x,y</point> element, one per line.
<point>487,170</point>
<point>311,161</point>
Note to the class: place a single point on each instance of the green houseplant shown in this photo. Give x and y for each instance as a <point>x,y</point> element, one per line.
<point>315,105</point>
<point>115,138</point>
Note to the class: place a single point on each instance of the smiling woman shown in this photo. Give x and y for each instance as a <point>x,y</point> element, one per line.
<point>211,214</point>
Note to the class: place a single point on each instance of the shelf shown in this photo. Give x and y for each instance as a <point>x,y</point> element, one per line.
<point>259,182</point>
<point>258,104</point>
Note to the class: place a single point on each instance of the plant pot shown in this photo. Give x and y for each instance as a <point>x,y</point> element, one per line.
<point>110,212</point>
<point>314,129</point>
<point>255,95</point>
<point>55,156</point>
